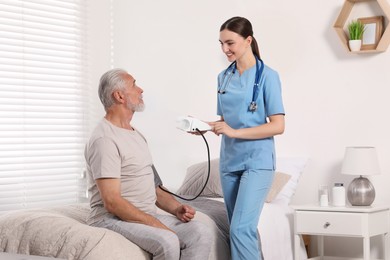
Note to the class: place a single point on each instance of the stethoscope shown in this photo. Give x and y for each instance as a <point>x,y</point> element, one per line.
<point>231,70</point>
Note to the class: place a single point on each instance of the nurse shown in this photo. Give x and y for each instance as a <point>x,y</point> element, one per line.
<point>252,113</point>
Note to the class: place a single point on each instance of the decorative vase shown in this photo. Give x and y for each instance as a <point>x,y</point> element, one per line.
<point>361,192</point>
<point>355,45</point>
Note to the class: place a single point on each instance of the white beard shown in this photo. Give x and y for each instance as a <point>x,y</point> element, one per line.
<point>135,108</point>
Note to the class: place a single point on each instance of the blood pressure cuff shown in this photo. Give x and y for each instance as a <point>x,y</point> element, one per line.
<point>157,179</point>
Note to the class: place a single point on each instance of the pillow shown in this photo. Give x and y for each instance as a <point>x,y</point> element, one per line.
<point>280,179</point>
<point>197,174</point>
<point>196,177</point>
<point>294,167</point>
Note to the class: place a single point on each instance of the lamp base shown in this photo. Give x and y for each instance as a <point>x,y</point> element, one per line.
<point>361,192</point>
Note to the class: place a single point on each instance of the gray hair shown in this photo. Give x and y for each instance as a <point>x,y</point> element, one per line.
<point>110,82</point>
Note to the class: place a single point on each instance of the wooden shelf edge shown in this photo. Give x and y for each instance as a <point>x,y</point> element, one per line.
<point>344,13</point>
<point>385,6</point>
<point>367,51</point>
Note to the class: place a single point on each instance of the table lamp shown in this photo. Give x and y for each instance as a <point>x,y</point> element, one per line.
<point>360,160</point>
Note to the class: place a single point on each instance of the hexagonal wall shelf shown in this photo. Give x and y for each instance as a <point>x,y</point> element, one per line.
<point>343,16</point>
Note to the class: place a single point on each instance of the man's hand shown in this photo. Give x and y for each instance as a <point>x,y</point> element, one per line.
<point>185,213</point>
<point>167,202</point>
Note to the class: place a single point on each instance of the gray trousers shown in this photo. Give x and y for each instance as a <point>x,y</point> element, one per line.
<point>192,240</point>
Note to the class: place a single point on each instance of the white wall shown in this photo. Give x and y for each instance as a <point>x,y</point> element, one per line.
<point>99,49</point>
<point>332,98</point>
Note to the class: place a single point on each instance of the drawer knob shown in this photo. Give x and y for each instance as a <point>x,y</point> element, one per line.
<point>326,225</point>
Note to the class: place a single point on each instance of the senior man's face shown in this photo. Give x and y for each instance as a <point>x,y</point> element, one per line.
<point>133,93</point>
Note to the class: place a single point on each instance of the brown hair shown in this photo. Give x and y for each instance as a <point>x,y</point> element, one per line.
<point>243,27</point>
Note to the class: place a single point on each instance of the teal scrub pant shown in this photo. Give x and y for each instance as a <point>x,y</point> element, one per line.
<point>244,194</point>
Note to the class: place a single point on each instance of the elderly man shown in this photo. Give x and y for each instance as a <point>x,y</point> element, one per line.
<point>123,193</point>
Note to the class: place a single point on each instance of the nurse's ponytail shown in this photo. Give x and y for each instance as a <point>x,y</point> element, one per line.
<point>255,48</point>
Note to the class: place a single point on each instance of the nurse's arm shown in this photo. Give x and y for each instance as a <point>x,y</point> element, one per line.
<point>275,126</point>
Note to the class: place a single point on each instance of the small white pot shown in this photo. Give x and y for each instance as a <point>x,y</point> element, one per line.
<point>355,45</point>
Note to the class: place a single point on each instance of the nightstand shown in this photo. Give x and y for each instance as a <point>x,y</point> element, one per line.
<point>348,221</point>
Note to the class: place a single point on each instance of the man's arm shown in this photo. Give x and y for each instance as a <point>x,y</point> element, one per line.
<point>167,202</point>
<point>109,189</point>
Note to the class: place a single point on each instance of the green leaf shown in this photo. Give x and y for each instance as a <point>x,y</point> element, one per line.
<point>356,30</point>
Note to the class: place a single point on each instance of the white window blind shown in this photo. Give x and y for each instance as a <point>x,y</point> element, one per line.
<point>43,102</point>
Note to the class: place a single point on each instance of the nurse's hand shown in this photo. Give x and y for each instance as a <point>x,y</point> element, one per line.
<point>220,127</point>
<point>197,133</point>
<point>202,132</point>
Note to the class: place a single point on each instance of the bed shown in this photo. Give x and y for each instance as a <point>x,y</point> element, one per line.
<point>61,231</point>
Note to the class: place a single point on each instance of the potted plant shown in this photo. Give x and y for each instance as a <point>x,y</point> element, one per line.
<point>356,30</point>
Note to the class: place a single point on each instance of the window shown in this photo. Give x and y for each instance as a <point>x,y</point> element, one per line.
<point>43,102</point>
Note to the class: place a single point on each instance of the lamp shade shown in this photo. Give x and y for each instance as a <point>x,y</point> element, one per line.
<point>360,160</point>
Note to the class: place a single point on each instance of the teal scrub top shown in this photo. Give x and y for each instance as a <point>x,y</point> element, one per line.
<point>233,104</point>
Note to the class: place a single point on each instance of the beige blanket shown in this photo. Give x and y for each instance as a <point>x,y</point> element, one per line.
<point>62,232</point>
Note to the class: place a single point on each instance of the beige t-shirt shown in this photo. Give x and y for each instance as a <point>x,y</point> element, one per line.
<point>114,152</point>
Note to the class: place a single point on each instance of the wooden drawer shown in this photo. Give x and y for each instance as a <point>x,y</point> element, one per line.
<point>329,223</point>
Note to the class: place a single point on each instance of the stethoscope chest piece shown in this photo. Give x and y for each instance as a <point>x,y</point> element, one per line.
<point>252,106</point>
